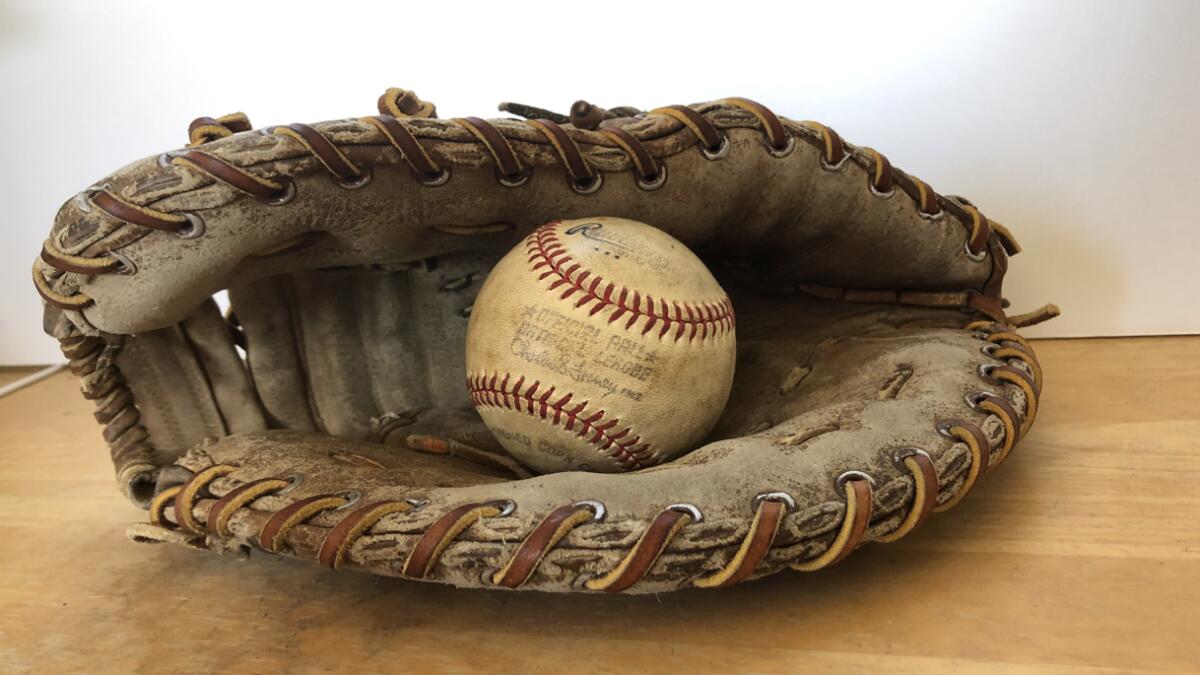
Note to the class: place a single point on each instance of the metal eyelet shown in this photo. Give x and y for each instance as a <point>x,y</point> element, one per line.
<point>721,151</point>
<point>352,497</point>
<point>362,180</point>
<point>974,398</point>
<point>943,428</point>
<point>835,167</point>
<point>784,497</point>
<point>284,194</point>
<point>654,183</point>
<point>83,199</point>
<point>985,370</point>
<point>597,508</point>
<point>990,349</point>
<point>124,265</point>
<point>690,509</point>
<point>588,186</point>
<point>936,215</point>
<point>517,181</point>
<point>507,507</point>
<point>417,504</point>
<point>193,229</point>
<point>975,257</point>
<point>165,159</point>
<point>436,179</point>
<point>881,195</point>
<point>902,454</point>
<point>780,153</point>
<point>847,476</point>
<point>294,480</point>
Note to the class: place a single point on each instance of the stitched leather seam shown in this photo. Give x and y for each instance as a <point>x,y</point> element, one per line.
<point>595,427</point>
<point>548,255</point>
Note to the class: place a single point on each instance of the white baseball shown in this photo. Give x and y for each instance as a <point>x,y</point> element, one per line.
<point>600,344</point>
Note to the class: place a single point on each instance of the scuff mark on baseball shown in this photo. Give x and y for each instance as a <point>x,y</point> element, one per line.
<point>600,344</point>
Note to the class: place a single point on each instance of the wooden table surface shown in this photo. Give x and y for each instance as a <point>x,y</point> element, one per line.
<point>1081,553</point>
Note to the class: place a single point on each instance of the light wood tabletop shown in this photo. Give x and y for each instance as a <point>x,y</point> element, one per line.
<point>1081,553</point>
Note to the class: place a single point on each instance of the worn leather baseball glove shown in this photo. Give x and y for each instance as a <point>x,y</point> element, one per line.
<point>325,416</point>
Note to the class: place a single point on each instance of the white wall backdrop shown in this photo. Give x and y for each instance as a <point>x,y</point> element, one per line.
<point>1074,123</point>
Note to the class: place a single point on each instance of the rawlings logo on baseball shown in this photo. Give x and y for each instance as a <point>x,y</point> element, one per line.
<point>600,345</point>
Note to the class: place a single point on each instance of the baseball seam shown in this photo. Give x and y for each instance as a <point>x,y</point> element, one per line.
<point>547,252</point>
<point>623,446</point>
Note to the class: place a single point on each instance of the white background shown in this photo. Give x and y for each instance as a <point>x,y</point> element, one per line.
<point>1073,123</point>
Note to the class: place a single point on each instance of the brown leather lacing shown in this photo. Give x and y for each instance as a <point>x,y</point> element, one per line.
<point>511,172</point>
<point>326,152</point>
<point>428,171</point>
<point>541,539</point>
<point>207,129</point>
<point>780,137</point>
<point>769,510</point>
<point>1016,364</point>
<point>651,174</point>
<point>93,361</point>
<point>584,178</point>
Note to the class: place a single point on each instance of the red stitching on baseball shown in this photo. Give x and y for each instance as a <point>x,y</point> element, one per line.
<point>623,447</point>
<point>547,251</point>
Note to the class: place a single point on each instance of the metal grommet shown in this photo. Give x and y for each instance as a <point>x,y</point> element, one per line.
<point>84,198</point>
<point>436,179</point>
<point>164,160</point>
<point>881,195</point>
<point>284,194</point>
<point>835,167</point>
<point>417,504</point>
<point>973,398</point>
<point>124,265</point>
<point>515,181</point>
<point>690,509</point>
<point>975,257</point>
<point>352,497</point>
<point>656,182</point>
<point>294,480</point>
<point>936,215</point>
<point>597,508</point>
<point>901,454</point>
<point>985,370</point>
<point>507,507</point>
<point>780,153</point>
<point>194,227</point>
<point>590,186</point>
<point>853,474</point>
<point>362,180</point>
<point>990,349</point>
<point>784,497</point>
<point>943,428</point>
<point>720,152</point>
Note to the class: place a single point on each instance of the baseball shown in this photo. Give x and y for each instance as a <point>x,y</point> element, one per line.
<point>600,344</point>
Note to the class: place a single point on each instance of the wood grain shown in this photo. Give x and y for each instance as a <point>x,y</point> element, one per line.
<point>1081,553</point>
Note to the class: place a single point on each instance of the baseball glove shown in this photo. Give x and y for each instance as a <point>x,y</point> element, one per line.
<point>325,416</point>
